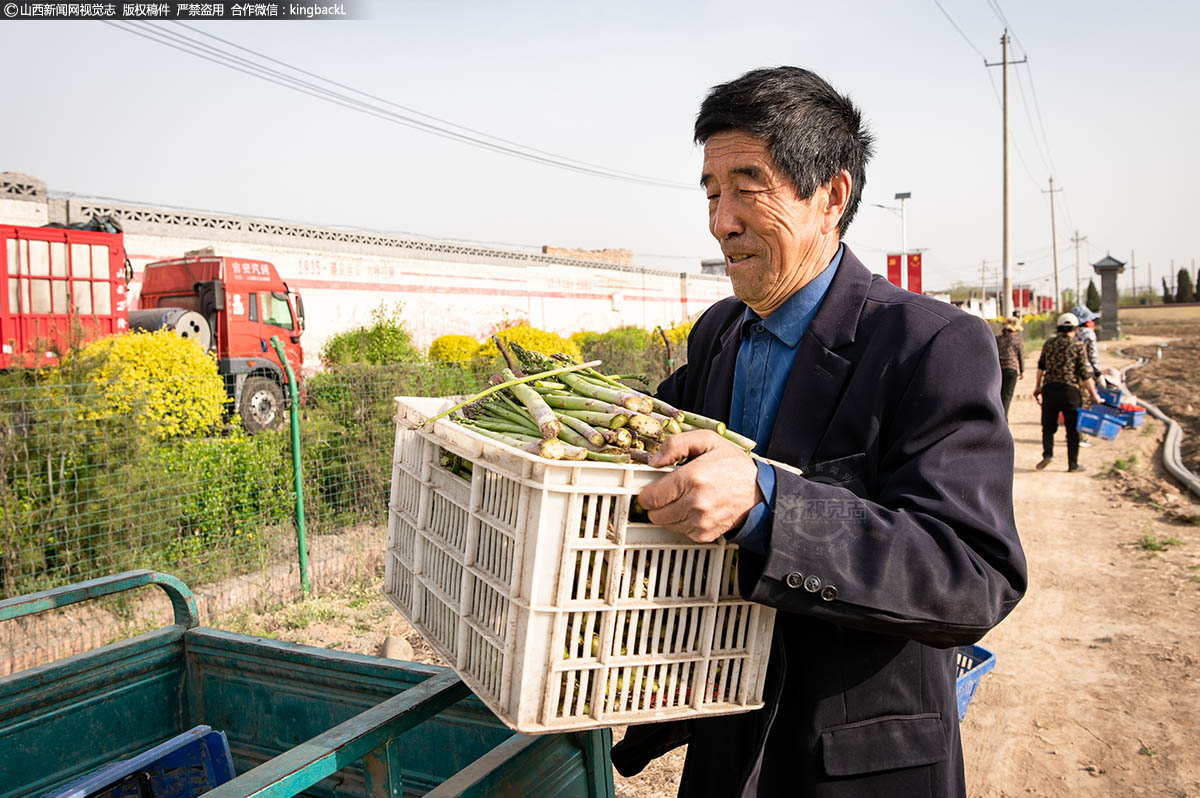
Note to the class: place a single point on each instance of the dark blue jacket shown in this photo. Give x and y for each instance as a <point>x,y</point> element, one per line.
<point>896,545</point>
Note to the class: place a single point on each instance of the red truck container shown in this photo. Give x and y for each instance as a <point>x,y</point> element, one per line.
<point>56,278</point>
<point>50,275</point>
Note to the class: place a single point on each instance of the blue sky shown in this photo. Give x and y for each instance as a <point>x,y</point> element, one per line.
<point>93,109</point>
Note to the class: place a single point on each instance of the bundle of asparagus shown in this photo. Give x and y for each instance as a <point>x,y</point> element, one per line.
<point>565,410</point>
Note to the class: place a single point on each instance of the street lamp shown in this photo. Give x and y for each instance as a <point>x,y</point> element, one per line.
<point>902,196</point>
<point>1021,294</point>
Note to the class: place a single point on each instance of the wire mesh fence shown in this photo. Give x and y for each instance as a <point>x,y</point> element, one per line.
<point>101,476</point>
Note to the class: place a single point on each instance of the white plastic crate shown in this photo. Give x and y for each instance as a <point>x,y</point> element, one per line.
<point>554,608</point>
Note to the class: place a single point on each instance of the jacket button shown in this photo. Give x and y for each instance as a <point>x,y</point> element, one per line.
<point>829,593</point>
<point>812,584</point>
<point>795,579</point>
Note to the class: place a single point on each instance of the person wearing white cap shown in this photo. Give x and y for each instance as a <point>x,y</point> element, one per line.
<point>1086,334</point>
<point>1063,371</point>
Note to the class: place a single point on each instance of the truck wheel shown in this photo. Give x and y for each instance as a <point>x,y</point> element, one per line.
<point>262,404</point>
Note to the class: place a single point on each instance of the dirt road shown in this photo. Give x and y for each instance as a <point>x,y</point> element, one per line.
<point>1097,686</point>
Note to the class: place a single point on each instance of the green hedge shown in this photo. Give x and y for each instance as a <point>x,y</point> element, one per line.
<point>83,497</point>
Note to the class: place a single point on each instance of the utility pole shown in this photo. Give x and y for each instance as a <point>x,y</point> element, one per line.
<point>1004,62</point>
<point>1133,273</point>
<point>1077,240</point>
<point>982,284</point>
<point>1054,243</point>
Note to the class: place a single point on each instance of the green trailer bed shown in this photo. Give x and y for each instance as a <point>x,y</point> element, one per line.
<point>299,720</point>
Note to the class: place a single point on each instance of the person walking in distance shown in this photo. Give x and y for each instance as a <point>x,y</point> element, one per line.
<point>1012,359</point>
<point>1063,371</point>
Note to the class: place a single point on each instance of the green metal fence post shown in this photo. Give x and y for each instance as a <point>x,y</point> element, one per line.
<point>297,472</point>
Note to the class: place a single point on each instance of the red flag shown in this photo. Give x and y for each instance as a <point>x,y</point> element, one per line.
<point>894,270</point>
<point>914,272</point>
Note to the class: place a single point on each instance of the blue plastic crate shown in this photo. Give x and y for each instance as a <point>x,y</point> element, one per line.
<point>973,662</point>
<point>1126,418</point>
<point>1109,429</point>
<point>185,766</point>
<point>1110,396</point>
<point>1088,422</point>
<point>1108,411</point>
<point>1132,418</point>
<point>1102,425</point>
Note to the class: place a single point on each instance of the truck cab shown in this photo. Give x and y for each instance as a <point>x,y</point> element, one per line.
<point>244,303</point>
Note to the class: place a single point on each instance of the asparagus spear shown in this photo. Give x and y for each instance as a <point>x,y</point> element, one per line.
<point>620,437</point>
<point>599,420</point>
<point>550,448</point>
<point>645,426</point>
<point>667,410</point>
<point>521,418</point>
<point>631,400</point>
<point>574,403</point>
<point>697,421</point>
<point>740,440</point>
<point>585,429</point>
<point>575,439</point>
<point>609,457</point>
<point>541,412</point>
<point>499,425</point>
<point>670,425</point>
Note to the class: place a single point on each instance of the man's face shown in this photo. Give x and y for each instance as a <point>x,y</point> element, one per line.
<point>774,242</point>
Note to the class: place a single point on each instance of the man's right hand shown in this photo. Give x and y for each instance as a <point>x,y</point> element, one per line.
<point>707,496</point>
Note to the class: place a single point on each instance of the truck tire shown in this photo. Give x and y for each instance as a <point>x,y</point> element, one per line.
<point>261,406</point>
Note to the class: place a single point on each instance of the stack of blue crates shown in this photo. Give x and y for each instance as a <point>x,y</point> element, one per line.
<point>1112,408</point>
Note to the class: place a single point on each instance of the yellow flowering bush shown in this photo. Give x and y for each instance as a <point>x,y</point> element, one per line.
<point>164,382</point>
<point>678,334</point>
<point>453,348</point>
<point>531,338</point>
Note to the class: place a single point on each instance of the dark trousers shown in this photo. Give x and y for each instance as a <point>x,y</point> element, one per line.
<point>1058,397</point>
<point>1008,385</point>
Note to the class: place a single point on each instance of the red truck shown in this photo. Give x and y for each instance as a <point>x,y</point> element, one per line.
<point>230,306</point>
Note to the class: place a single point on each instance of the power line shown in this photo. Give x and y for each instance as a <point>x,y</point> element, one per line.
<point>995,91</point>
<point>236,63</point>
<point>1003,19</point>
<point>970,43</point>
<point>1037,107</point>
<point>393,104</point>
<point>1029,118</point>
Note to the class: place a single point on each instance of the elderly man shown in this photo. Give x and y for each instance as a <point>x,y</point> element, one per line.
<point>897,543</point>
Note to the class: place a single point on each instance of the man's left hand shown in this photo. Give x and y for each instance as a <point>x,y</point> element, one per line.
<point>709,495</point>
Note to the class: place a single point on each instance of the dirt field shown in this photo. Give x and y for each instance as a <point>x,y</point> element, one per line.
<point>1097,686</point>
<point>1172,381</point>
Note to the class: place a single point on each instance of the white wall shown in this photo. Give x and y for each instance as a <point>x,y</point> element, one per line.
<point>441,297</point>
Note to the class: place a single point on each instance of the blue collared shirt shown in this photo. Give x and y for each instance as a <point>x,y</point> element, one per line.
<point>764,362</point>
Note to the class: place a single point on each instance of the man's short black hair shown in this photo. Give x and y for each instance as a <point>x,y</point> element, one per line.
<point>811,131</point>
